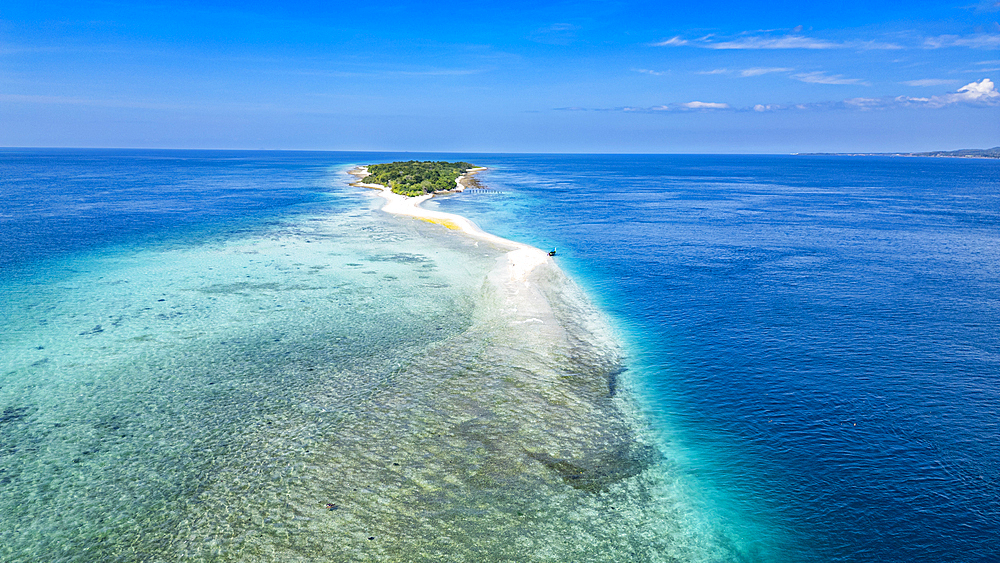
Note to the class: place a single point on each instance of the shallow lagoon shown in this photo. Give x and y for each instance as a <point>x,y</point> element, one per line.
<point>328,382</point>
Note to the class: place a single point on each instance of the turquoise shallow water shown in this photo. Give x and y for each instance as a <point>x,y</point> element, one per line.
<point>235,356</point>
<point>139,378</point>
<point>257,376</point>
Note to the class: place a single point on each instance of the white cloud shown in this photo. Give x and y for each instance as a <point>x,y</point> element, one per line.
<point>675,41</point>
<point>864,103</point>
<point>978,93</point>
<point>747,72</point>
<point>930,82</point>
<point>824,78</point>
<point>676,107</point>
<point>785,42</point>
<point>704,105</point>
<point>978,41</point>
<point>760,71</point>
<point>874,46</point>
<point>982,93</point>
<point>666,108</point>
<point>774,42</point>
<point>647,71</point>
<point>758,40</point>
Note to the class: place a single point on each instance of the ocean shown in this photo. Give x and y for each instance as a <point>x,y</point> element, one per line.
<point>237,356</point>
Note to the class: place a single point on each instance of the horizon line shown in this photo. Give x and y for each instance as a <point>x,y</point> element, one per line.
<point>792,153</point>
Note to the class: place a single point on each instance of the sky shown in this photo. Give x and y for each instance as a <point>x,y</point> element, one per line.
<point>471,76</point>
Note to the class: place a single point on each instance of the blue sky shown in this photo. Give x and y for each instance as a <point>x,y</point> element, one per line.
<point>717,77</point>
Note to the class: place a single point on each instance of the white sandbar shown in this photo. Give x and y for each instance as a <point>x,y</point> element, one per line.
<point>522,258</point>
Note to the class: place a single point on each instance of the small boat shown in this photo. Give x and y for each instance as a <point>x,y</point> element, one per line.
<point>552,252</point>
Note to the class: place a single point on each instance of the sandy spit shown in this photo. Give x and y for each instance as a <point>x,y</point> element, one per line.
<point>522,259</point>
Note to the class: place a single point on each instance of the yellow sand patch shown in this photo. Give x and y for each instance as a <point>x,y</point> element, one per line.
<point>443,222</point>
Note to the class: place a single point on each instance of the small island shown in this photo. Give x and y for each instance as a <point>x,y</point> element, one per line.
<point>415,178</point>
<point>405,185</point>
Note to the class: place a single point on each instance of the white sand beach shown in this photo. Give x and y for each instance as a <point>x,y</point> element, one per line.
<point>522,258</point>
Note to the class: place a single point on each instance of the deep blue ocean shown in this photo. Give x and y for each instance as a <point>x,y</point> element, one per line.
<point>814,341</point>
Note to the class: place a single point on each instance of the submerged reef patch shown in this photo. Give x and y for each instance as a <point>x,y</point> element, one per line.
<point>270,400</point>
<point>596,471</point>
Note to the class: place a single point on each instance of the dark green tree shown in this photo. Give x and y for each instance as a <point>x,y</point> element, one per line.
<point>416,178</point>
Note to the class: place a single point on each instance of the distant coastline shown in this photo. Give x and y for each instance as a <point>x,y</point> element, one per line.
<point>961,153</point>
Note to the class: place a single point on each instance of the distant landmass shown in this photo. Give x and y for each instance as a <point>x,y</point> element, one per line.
<point>961,153</point>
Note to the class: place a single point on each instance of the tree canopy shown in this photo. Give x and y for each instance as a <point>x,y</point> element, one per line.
<point>416,178</point>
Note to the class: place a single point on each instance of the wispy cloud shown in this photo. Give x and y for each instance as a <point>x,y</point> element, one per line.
<point>648,71</point>
<point>770,41</point>
<point>988,6</point>
<point>982,93</point>
<point>978,41</point>
<point>824,78</point>
<point>874,46</point>
<point>673,107</point>
<point>747,72</point>
<point>704,105</point>
<point>791,39</point>
<point>761,71</point>
<point>764,42</point>
<point>682,107</point>
<point>931,82</point>
<point>976,94</point>
<point>555,34</point>
<point>675,41</point>
<point>768,107</point>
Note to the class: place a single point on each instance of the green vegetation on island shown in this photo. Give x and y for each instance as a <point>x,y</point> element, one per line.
<point>416,178</point>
